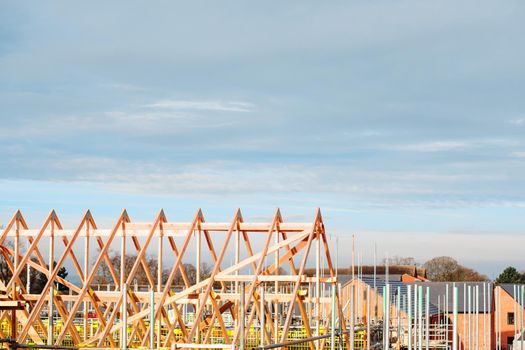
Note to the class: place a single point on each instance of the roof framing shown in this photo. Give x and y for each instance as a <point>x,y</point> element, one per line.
<point>259,252</point>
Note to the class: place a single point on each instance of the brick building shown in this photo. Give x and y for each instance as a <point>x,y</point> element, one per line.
<point>510,311</point>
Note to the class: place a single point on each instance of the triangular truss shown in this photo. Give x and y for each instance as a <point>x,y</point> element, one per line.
<point>266,260</point>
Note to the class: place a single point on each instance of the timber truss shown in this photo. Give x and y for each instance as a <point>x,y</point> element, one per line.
<point>265,260</point>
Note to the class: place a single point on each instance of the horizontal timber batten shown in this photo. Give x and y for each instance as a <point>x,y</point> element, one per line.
<point>169,230</point>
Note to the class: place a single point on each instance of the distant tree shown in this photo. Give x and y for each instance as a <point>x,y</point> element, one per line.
<point>104,275</point>
<point>441,268</point>
<point>510,275</point>
<point>400,260</point>
<point>445,268</point>
<point>37,279</point>
<point>62,272</point>
<point>206,270</point>
<point>470,275</point>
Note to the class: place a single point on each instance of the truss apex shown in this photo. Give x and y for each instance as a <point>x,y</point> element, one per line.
<point>124,215</point>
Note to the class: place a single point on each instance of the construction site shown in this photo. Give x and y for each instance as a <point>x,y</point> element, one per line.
<point>270,285</point>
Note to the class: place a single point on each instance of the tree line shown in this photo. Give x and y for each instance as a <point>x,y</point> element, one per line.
<point>104,275</point>
<point>439,269</point>
<point>448,269</point>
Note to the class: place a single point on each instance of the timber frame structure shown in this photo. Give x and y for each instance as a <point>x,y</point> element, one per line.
<point>267,262</point>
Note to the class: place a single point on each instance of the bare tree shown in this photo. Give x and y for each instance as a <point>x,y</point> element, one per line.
<point>400,260</point>
<point>141,277</point>
<point>104,276</point>
<point>445,268</point>
<point>37,279</point>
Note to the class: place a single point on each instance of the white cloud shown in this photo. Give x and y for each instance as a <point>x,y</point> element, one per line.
<point>435,146</point>
<point>520,154</point>
<point>453,145</point>
<point>517,121</point>
<point>211,105</point>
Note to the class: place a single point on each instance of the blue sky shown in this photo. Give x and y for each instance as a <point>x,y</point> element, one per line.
<point>403,120</point>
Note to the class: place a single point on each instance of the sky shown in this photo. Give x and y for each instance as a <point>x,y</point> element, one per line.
<point>404,121</point>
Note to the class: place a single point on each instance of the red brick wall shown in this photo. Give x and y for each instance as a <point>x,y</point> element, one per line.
<point>507,304</point>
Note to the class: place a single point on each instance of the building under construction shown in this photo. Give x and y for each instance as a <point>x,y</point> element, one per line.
<point>269,285</point>
<point>256,293</point>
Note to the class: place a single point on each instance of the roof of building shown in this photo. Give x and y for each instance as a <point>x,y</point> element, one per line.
<point>438,292</point>
<point>401,289</point>
<point>509,288</point>
<point>364,270</point>
<point>344,279</point>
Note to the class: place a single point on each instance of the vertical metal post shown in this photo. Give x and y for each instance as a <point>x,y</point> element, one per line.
<point>515,309</point>
<point>152,319</point>
<point>427,317</point>
<point>332,335</point>
<point>352,315</point>
<point>484,316</point>
<point>51,311</point>
<point>464,315</point>
<point>387,277</point>
<point>86,273</point>
<point>340,323</point>
<point>387,318</point>
<point>317,288</point>
<point>358,293</point>
<point>520,310</point>
<point>489,302</point>
<point>375,282</point>
<point>50,316</point>
<point>517,313</point>
<point>522,315</point>
<point>263,325</point>
<point>476,303</point>
<point>124,311</point>
<point>28,279</point>
<point>447,326</point>
<point>383,312</point>
<point>398,308</point>
<point>367,317</point>
<point>241,317</point>
<point>439,312</point>
<point>496,312</point>
<point>469,304</point>
<point>499,317</point>
<point>455,318</point>
<point>276,290</point>
<point>409,322</point>
<point>420,313</point>
<point>415,316</point>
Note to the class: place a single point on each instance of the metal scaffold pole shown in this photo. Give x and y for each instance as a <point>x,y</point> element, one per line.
<point>124,311</point>
<point>368,317</point>
<point>262,307</point>
<point>455,318</point>
<point>420,315</point>
<point>241,317</point>
<point>427,317</point>
<point>334,325</point>
<point>409,321</point>
<point>387,317</point>
<point>152,319</point>
<point>352,324</point>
